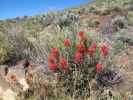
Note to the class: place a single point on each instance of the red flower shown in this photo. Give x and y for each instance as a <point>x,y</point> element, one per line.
<point>92,50</point>
<point>51,58</point>
<point>55,52</point>
<point>82,35</point>
<point>98,68</point>
<point>63,63</point>
<point>81,48</point>
<point>78,58</point>
<point>104,50</point>
<point>94,46</point>
<point>67,42</point>
<point>53,66</point>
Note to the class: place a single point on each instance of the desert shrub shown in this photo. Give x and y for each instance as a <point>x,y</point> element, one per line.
<point>75,64</point>
<point>6,49</point>
<point>92,10</point>
<point>83,11</point>
<point>22,47</point>
<point>50,40</point>
<point>119,46</point>
<point>65,19</point>
<point>89,20</point>
<point>130,5</point>
<point>113,25</point>
<point>105,7</point>
<point>111,4</point>
<point>49,18</point>
<point>130,18</point>
<point>119,22</point>
<point>92,23</point>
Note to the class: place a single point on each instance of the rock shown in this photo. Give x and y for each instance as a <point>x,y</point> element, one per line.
<point>24,84</point>
<point>94,85</point>
<point>18,72</point>
<point>9,94</point>
<point>5,90</point>
<point>3,70</point>
<point>35,82</point>
<point>41,80</point>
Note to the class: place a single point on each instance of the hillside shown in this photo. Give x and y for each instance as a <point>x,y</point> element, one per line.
<point>25,44</point>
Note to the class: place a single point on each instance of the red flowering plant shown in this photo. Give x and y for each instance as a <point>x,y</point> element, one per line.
<point>76,64</point>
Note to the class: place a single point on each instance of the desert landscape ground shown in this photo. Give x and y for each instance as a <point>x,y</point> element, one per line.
<point>80,53</point>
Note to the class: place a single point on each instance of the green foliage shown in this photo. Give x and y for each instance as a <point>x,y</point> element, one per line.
<point>120,45</point>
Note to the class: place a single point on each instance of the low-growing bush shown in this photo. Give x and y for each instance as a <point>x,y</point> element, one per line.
<point>113,25</point>
<point>6,49</point>
<point>65,19</point>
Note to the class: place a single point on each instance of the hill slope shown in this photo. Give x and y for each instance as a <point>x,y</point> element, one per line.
<point>31,38</point>
<point>92,16</point>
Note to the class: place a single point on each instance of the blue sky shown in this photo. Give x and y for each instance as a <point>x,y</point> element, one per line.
<point>14,8</point>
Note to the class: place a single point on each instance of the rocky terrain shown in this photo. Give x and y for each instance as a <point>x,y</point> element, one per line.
<point>25,43</point>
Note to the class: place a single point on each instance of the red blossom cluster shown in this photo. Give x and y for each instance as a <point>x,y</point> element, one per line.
<point>98,68</point>
<point>92,50</point>
<point>82,36</point>
<point>64,64</point>
<point>104,50</point>
<point>52,60</point>
<point>78,58</point>
<point>81,49</point>
<point>67,42</point>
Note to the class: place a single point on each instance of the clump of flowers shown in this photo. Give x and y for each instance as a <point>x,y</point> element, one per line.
<point>82,36</point>
<point>98,68</point>
<point>92,50</point>
<point>63,64</point>
<point>77,64</point>
<point>52,60</point>
<point>104,50</point>
<point>78,58</point>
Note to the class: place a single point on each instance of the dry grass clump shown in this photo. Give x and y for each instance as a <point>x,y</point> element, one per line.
<point>6,49</point>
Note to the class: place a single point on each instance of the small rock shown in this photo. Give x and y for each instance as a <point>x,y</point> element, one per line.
<point>9,94</point>
<point>24,84</point>
<point>94,85</point>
